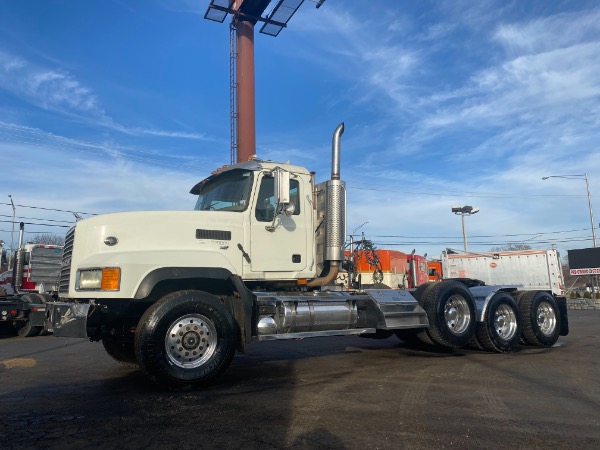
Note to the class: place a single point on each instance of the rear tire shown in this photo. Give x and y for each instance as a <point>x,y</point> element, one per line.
<point>541,318</point>
<point>27,330</point>
<point>500,330</point>
<point>186,339</point>
<point>450,309</point>
<point>419,335</point>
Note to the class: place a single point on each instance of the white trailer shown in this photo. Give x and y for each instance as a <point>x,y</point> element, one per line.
<point>532,269</point>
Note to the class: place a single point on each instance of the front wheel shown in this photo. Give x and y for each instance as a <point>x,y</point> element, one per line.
<point>500,330</point>
<point>121,351</point>
<point>541,318</point>
<point>185,339</point>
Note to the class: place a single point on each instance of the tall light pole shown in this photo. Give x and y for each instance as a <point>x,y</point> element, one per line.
<point>587,185</point>
<point>12,230</point>
<point>463,211</point>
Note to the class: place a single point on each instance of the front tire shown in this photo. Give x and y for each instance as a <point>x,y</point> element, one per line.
<point>121,351</point>
<point>541,318</point>
<point>185,339</point>
<point>500,330</point>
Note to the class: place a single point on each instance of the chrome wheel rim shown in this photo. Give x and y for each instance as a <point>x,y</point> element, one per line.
<point>457,314</point>
<point>546,318</point>
<point>505,322</point>
<point>190,341</point>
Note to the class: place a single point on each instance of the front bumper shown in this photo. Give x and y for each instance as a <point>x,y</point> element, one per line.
<point>67,319</point>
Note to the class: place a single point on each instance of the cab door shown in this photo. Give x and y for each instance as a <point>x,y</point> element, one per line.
<point>278,242</point>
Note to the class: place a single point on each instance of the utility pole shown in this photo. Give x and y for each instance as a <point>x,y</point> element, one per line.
<point>12,231</point>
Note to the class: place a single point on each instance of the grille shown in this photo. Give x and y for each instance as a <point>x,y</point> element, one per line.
<point>213,234</point>
<point>65,269</point>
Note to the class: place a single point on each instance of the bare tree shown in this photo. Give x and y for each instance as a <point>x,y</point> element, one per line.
<point>48,239</point>
<point>511,248</point>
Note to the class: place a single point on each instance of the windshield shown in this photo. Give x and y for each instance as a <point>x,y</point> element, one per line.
<point>229,191</point>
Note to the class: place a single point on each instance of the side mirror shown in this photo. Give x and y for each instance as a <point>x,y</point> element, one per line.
<point>282,186</point>
<point>288,209</point>
<point>282,193</point>
<point>282,196</point>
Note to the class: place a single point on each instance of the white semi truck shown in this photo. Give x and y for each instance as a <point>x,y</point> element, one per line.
<point>178,292</point>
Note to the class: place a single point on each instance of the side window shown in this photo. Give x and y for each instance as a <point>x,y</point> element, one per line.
<point>266,203</point>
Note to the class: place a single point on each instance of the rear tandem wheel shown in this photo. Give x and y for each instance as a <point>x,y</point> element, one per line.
<point>541,318</point>
<point>450,309</point>
<point>500,329</point>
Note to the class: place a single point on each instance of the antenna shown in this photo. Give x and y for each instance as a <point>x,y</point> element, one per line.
<point>244,15</point>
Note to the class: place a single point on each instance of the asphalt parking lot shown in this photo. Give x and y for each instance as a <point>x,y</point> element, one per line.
<point>340,393</point>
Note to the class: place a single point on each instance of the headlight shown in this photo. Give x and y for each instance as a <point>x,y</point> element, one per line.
<point>106,279</point>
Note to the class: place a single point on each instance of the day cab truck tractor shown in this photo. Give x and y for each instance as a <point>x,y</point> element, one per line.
<point>28,286</point>
<point>178,292</point>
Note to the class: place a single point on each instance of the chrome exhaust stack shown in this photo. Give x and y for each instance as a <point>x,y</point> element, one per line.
<point>335,204</point>
<point>18,261</point>
<point>335,215</point>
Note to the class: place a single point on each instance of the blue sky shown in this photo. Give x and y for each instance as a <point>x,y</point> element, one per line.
<point>115,105</point>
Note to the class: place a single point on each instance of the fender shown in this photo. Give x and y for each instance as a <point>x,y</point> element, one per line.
<point>243,315</point>
<point>178,273</point>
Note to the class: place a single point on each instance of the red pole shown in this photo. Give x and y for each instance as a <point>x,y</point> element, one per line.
<point>246,119</point>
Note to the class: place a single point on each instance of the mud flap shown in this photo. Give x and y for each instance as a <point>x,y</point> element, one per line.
<point>564,319</point>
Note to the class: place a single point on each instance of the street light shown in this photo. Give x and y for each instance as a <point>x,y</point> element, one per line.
<point>587,184</point>
<point>463,211</point>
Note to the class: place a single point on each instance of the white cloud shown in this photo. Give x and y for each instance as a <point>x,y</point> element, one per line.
<point>549,33</point>
<point>58,91</point>
<point>46,88</point>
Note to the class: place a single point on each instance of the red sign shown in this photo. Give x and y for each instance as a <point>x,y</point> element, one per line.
<point>592,271</point>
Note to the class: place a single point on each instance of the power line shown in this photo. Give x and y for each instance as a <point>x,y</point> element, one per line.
<point>34,232</point>
<point>485,236</point>
<point>35,218</point>
<point>406,190</point>
<point>51,209</point>
<point>39,224</point>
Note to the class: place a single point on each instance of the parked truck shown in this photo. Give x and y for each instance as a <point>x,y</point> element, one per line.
<point>28,286</point>
<point>434,268</point>
<point>532,269</point>
<point>389,268</point>
<point>178,292</point>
